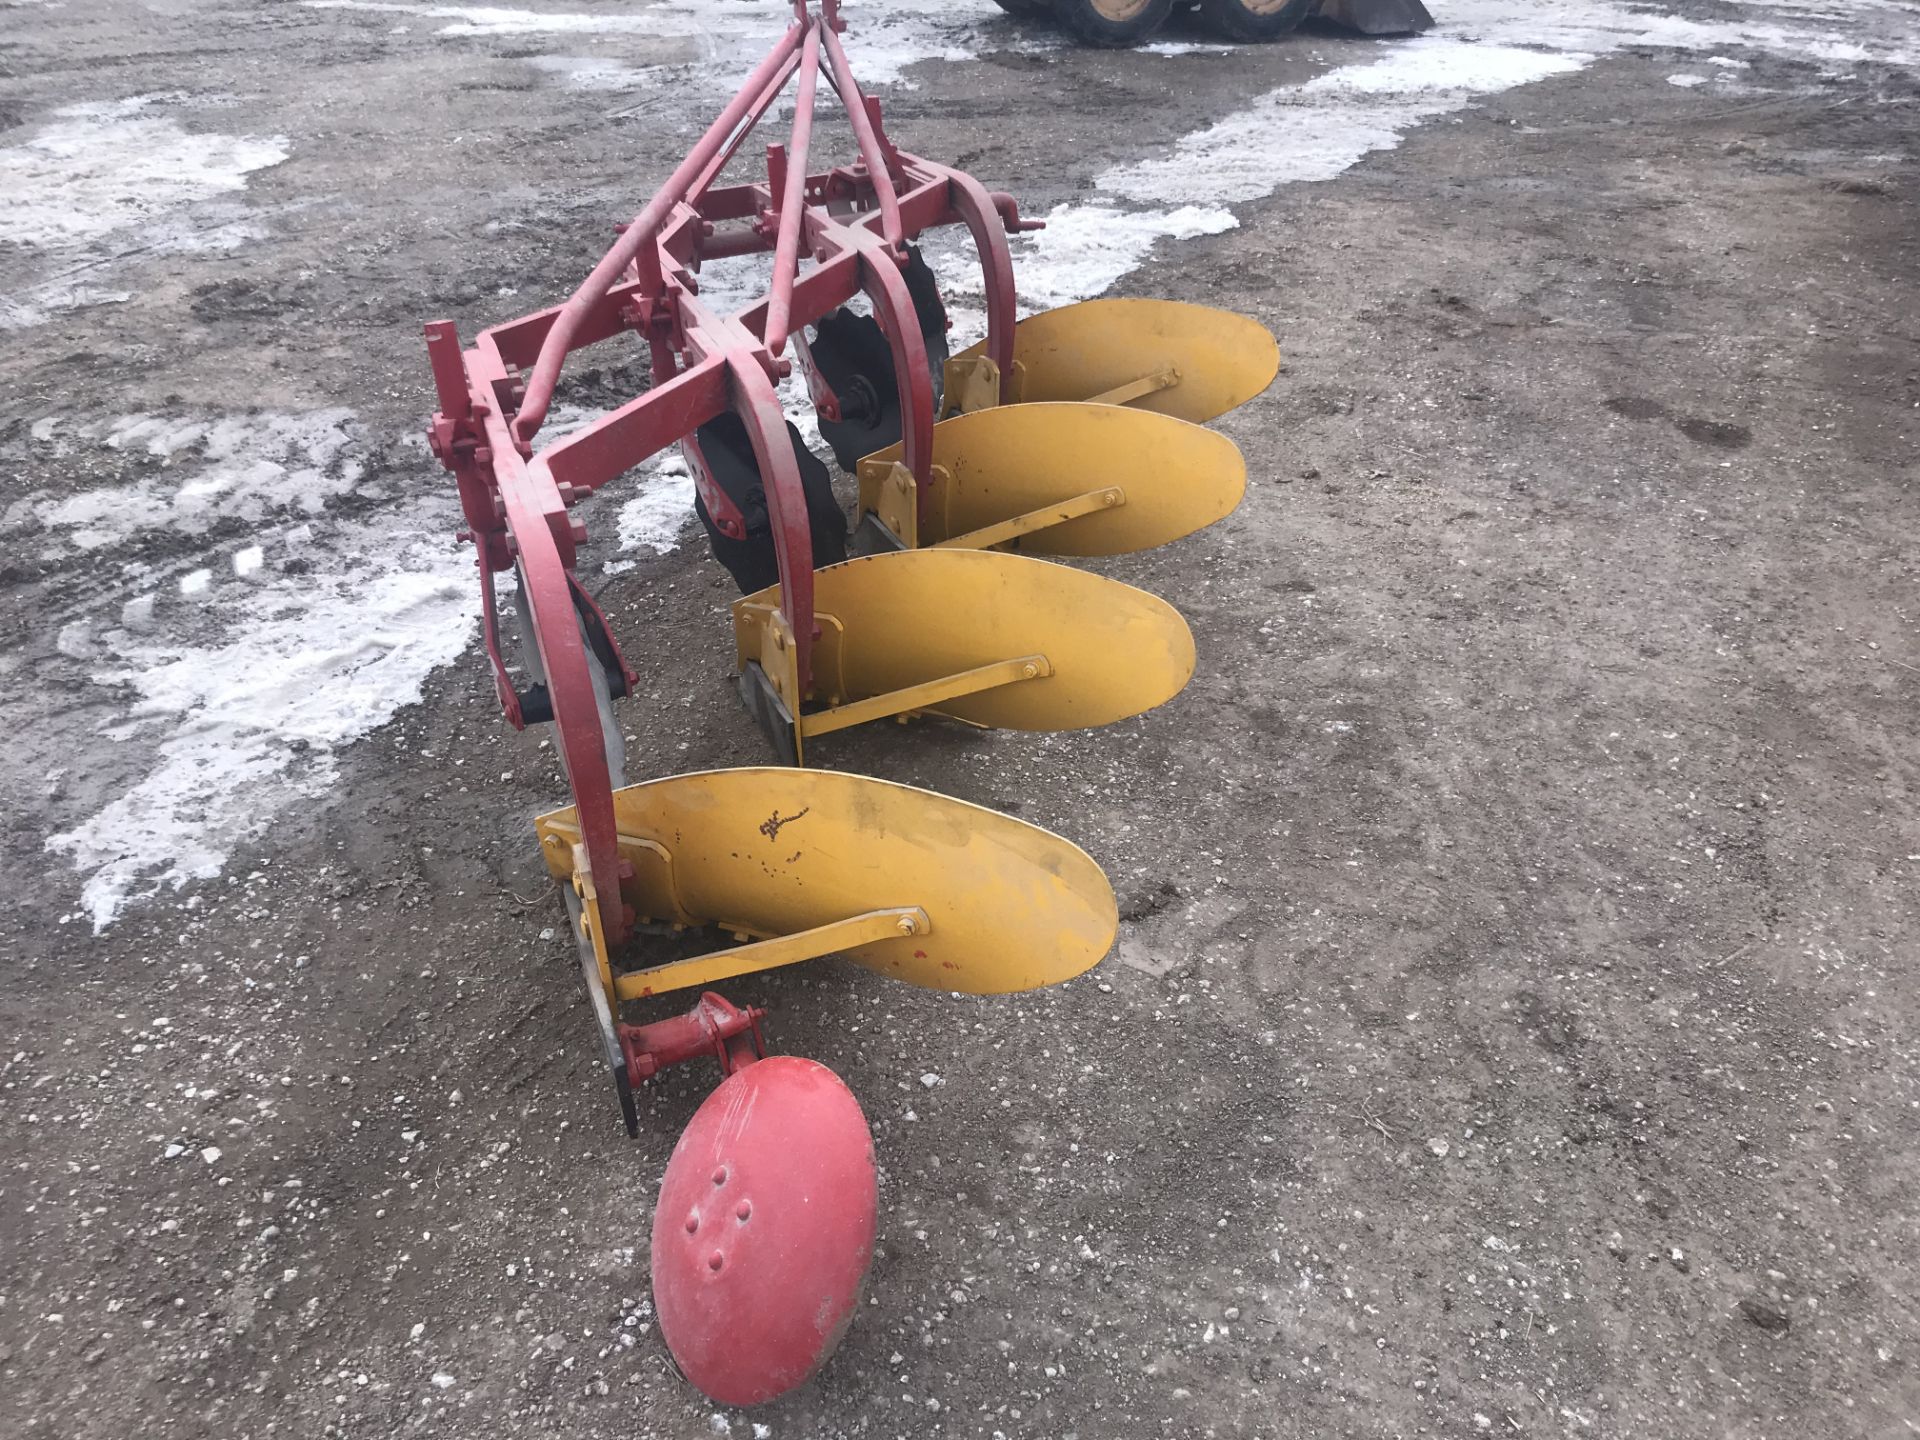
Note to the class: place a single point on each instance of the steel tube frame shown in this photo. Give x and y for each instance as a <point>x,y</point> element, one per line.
<point>852,222</point>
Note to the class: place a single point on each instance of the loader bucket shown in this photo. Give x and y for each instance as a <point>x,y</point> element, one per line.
<point>1377,17</point>
<point>1059,479</point>
<point>1189,361</point>
<point>910,884</point>
<point>989,639</point>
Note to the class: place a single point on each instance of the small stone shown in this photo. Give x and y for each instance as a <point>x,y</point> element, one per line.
<point>1679,1259</point>
<point>1617,1245</point>
<point>211,1154</point>
<point>174,1151</point>
<point>1439,1147</point>
<point>1768,1316</point>
<point>419,1329</point>
<point>930,1080</point>
<point>442,1380</point>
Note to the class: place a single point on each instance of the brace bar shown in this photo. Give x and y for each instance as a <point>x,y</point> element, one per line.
<point>927,694</point>
<point>988,536</point>
<point>793,199</point>
<point>1134,389</point>
<point>771,954</point>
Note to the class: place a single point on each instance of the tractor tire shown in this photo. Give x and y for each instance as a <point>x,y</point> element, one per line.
<point>1024,9</point>
<point>1112,24</point>
<point>1254,20</point>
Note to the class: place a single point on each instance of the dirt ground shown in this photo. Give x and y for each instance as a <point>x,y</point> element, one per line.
<point>1511,1027</point>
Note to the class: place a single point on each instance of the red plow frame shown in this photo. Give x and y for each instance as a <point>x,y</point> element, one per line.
<point>854,222</point>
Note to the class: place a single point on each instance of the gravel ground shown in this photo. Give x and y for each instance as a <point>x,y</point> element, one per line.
<point>1509,1031</point>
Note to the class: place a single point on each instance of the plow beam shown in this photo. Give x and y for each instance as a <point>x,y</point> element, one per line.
<point>1058,479</point>
<point>988,639</point>
<point>1189,361</point>
<point>817,858</point>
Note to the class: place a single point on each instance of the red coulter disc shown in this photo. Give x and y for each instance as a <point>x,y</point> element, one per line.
<point>764,1230</point>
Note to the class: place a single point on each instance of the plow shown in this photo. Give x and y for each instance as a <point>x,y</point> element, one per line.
<point>1076,433</point>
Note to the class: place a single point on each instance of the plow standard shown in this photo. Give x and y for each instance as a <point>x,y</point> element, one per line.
<point>1072,433</point>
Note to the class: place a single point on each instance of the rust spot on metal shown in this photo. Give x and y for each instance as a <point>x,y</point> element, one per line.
<point>774,823</point>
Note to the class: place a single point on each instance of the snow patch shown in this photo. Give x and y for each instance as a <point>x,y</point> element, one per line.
<point>108,179</point>
<point>1086,249</point>
<point>247,467</point>
<point>656,520</point>
<point>717,52</point>
<point>247,673</point>
<point>85,176</point>
<point>501,20</point>
<point>1186,47</point>
<point>248,722</point>
<point>587,72</point>
<point>1602,28</point>
<point>1324,127</point>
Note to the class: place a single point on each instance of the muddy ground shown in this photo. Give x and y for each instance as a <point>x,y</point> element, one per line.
<point>1511,1029</point>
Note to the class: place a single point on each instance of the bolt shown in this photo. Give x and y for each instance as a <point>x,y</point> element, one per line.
<point>1110,498</point>
<point>907,925</point>
<point>1029,671</point>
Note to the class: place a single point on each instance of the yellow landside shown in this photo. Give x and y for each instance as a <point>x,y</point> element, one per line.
<point>991,639</point>
<point>1058,479</point>
<point>1189,361</point>
<point>908,883</point>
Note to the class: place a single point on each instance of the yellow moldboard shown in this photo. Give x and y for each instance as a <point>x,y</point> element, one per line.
<point>771,851</point>
<point>1079,351</point>
<point>993,464</point>
<point>897,619</point>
